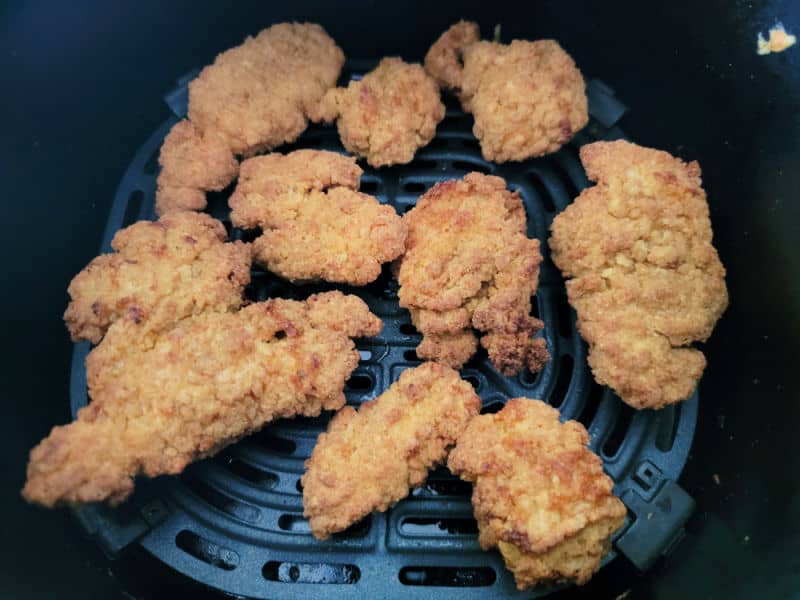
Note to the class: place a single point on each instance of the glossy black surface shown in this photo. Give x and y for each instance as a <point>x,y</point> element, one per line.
<point>82,88</point>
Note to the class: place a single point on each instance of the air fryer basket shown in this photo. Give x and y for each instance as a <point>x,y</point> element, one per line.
<point>234,522</point>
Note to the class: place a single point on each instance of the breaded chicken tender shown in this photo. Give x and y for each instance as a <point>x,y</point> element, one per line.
<point>642,272</point>
<point>540,495</point>
<point>528,98</point>
<point>386,116</point>
<point>468,264</point>
<point>370,458</point>
<point>161,402</point>
<point>192,164</point>
<point>254,97</point>
<point>161,272</point>
<point>316,225</point>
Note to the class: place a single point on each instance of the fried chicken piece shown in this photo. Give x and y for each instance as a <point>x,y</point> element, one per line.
<point>161,402</point>
<point>254,97</point>
<point>387,115</point>
<point>315,223</point>
<point>161,272</point>
<point>468,264</point>
<point>642,272</point>
<point>445,59</point>
<point>369,459</point>
<point>258,95</point>
<point>192,164</point>
<point>528,98</point>
<point>540,495</point>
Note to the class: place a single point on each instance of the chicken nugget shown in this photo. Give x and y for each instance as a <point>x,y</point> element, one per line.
<point>316,225</point>
<point>528,98</point>
<point>642,273</point>
<point>370,458</point>
<point>540,495</point>
<point>160,402</point>
<point>468,264</point>
<point>254,97</point>
<point>162,272</point>
<point>386,116</point>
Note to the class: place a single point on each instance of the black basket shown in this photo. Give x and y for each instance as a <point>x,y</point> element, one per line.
<point>234,521</point>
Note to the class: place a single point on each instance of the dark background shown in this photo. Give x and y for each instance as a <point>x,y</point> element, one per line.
<point>82,84</point>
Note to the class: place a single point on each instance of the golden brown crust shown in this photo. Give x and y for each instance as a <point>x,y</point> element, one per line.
<point>643,274</point>
<point>192,164</point>
<point>161,272</point>
<point>445,59</point>
<point>370,458</point>
<point>161,401</point>
<point>257,96</point>
<point>540,495</point>
<point>387,115</point>
<point>528,98</point>
<point>316,225</point>
<point>468,263</point>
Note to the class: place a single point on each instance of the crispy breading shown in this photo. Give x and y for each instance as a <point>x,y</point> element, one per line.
<point>642,272</point>
<point>161,272</point>
<point>192,164</point>
<point>258,95</point>
<point>316,225</point>
<point>160,402</point>
<point>387,115</point>
<point>370,458</point>
<point>540,495</point>
<point>468,263</point>
<point>528,98</point>
<point>445,59</point>
<point>254,97</point>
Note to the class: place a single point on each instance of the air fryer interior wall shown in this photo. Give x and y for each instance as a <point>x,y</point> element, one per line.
<point>85,86</point>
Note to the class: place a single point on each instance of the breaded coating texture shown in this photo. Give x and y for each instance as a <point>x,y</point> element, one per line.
<point>468,264</point>
<point>369,459</point>
<point>540,495</point>
<point>192,164</point>
<point>642,272</point>
<point>257,96</point>
<point>161,402</point>
<point>386,116</point>
<point>316,225</point>
<point>528,98</point>
<point>445,59</point>
<point>161,272</point>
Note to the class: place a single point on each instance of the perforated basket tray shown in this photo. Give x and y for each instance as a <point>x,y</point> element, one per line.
<point>234,522</point>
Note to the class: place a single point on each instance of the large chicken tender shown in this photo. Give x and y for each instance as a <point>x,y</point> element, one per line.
<point>315,223</point>
<point>387,115</point>
<point>468,264</point>
<point>644,276</point>
<point>528,98</point>
<point>158,403</point>
<point>370,458</point>
<point>161,272</point>
<point>540,495</point>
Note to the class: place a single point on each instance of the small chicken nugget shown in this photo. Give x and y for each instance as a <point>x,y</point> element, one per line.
<point>540,495</point>
<point>387,115</point>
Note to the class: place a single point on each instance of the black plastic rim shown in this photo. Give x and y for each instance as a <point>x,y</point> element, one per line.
<point>234,522</point>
